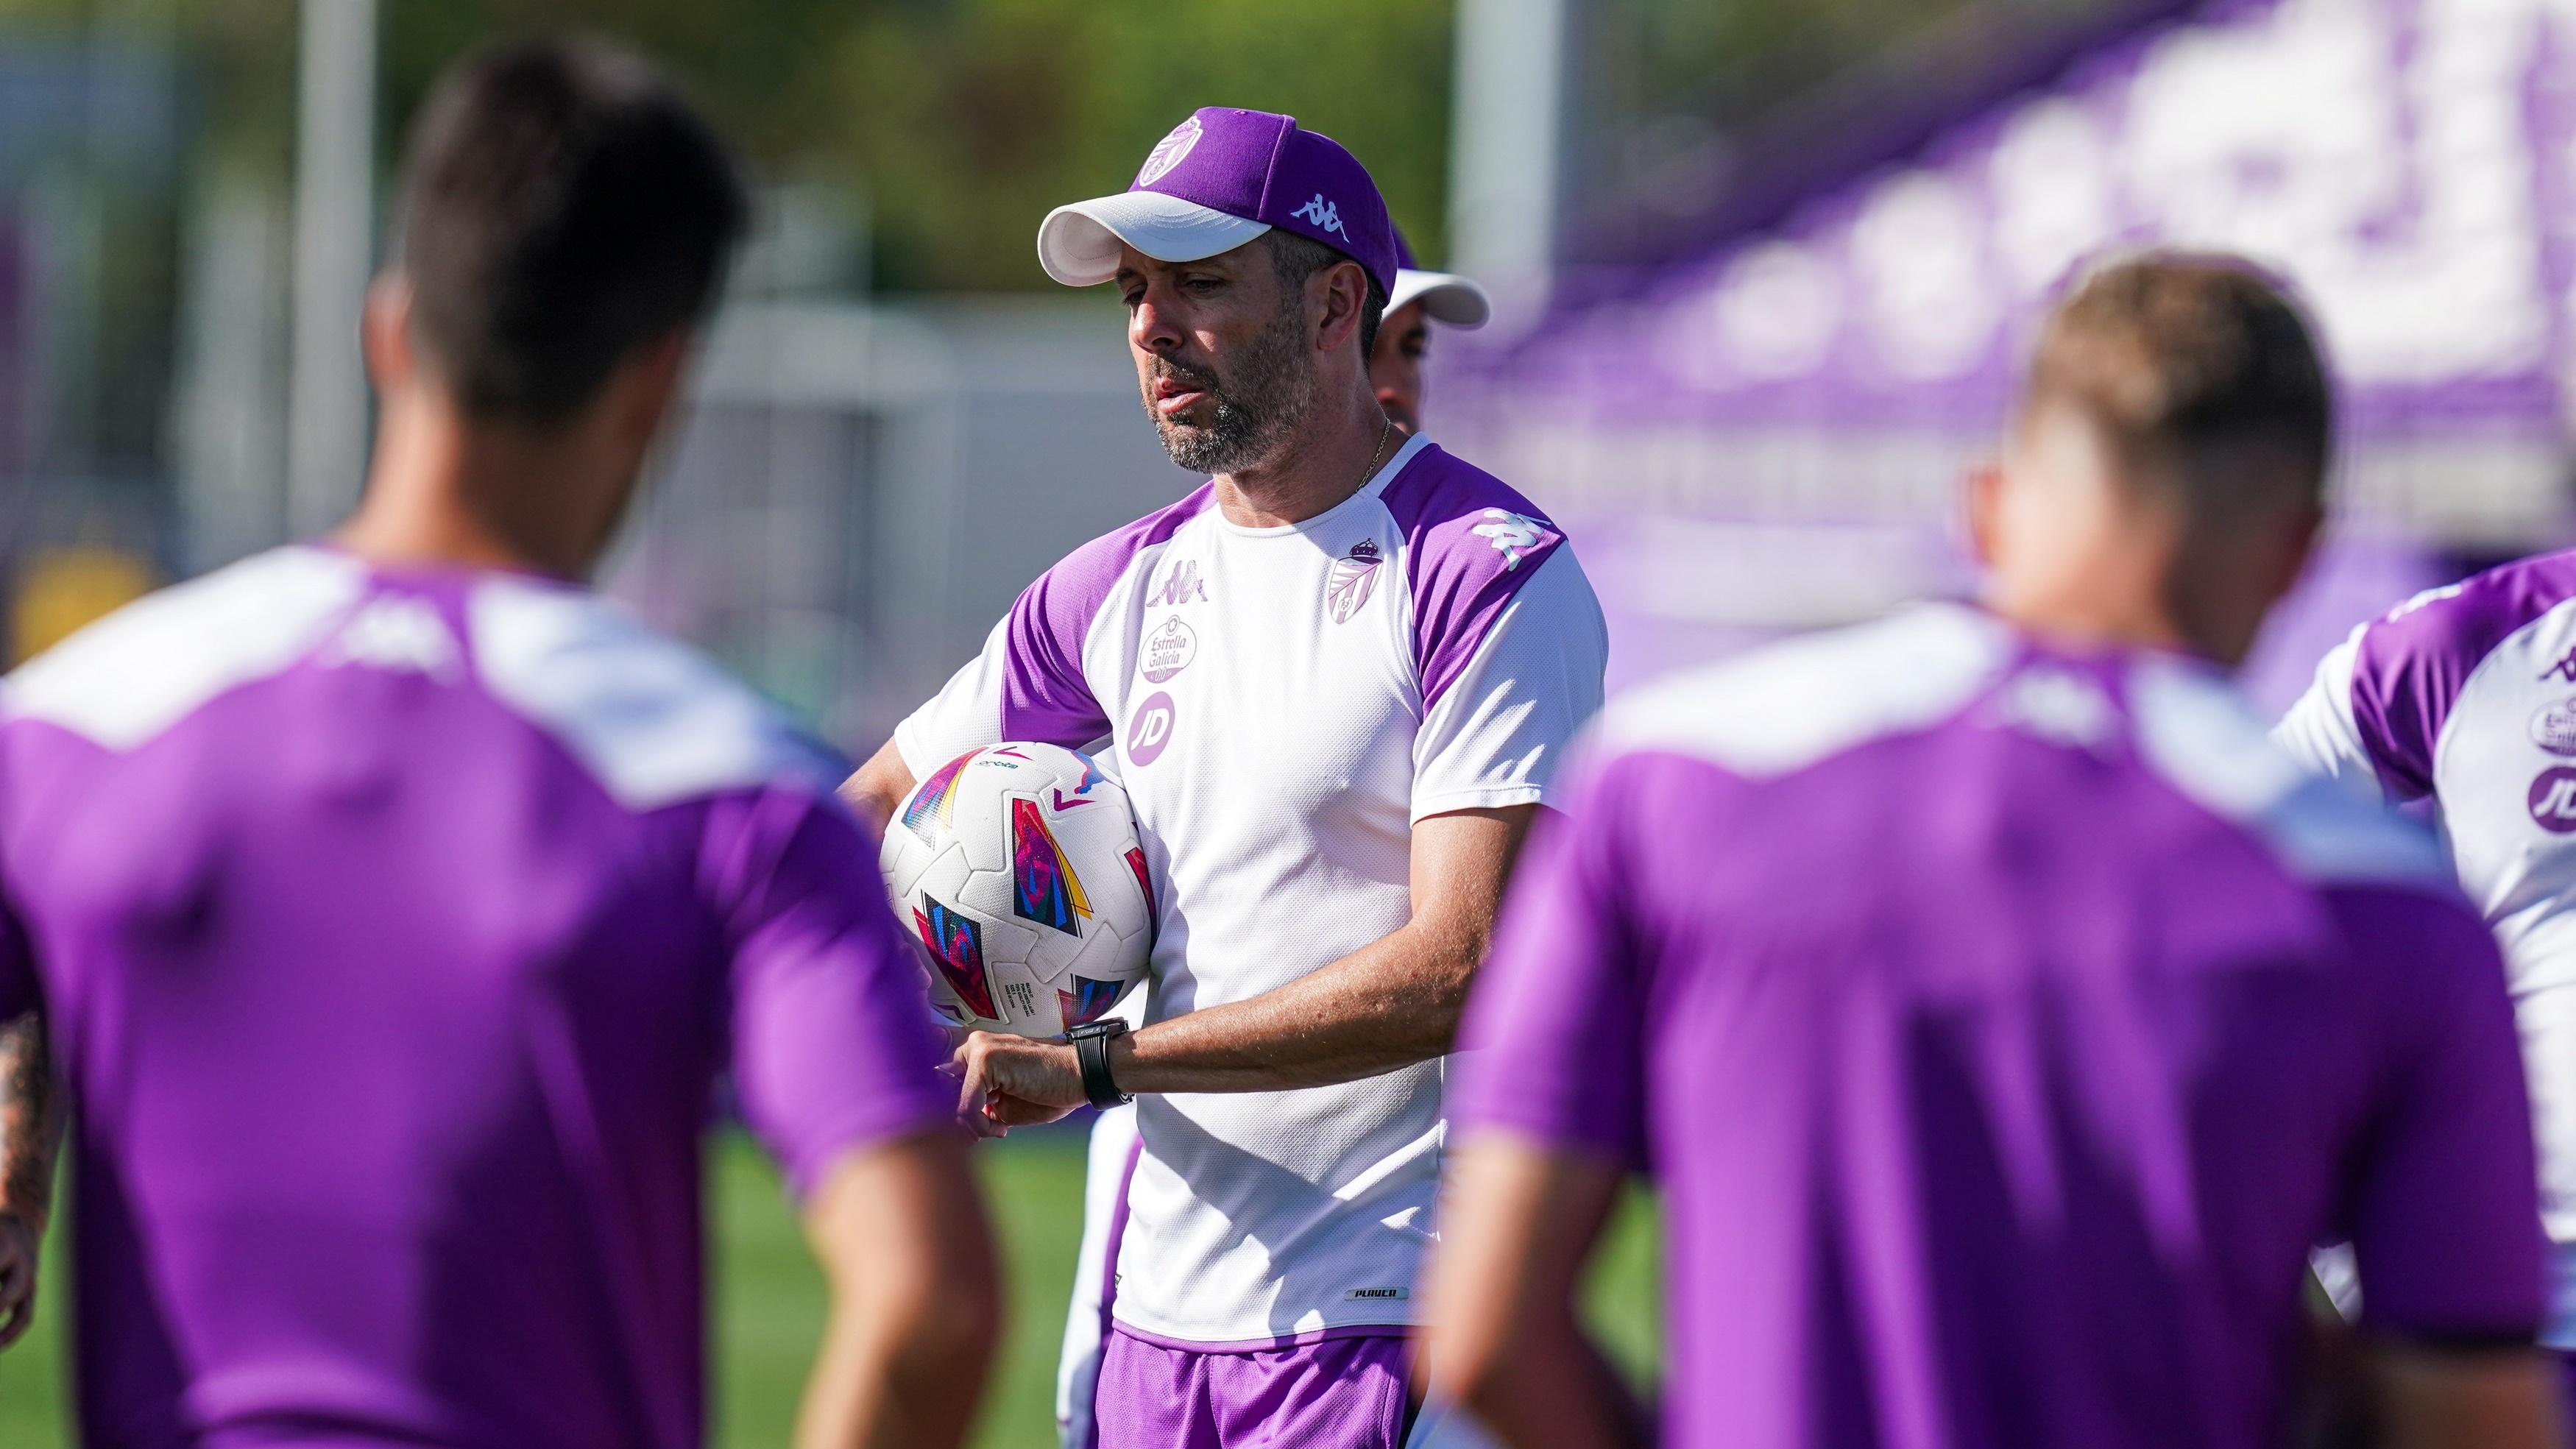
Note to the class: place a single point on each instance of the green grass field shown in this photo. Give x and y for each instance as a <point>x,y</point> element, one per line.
<point>770,1303</point>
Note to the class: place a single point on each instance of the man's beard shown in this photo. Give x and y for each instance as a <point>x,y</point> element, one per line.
<point>1272,392</point>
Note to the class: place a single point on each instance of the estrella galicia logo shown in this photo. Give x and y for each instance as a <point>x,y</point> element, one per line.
<point>1169,650</point>
<point>1169,152</point>
<point>1151,729</point>
<point>1322,215</point>
<point>1352,579</point>
<point>2554,728</point>
<point>2553,800</point>
<point>1180,586</point>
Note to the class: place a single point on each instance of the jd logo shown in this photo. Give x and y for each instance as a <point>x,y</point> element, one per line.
<point>2553,800</point>
<point>1180,586</point>
<point>1151,730</point>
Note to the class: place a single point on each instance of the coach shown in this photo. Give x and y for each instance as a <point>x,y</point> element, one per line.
<point>1335,681</point>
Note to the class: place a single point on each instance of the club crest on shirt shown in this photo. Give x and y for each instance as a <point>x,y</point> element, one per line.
<point>1352,579</point>
<point>2554,728</point>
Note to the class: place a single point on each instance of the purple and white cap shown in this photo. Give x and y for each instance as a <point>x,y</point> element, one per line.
<point>1445,296</point>
<point>1221,178</point>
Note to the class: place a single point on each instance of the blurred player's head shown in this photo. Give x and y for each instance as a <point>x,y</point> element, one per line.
<point>563,223</point>
<point>1255,258</point>
<point>2164,478</point>
<point>1404,338</point>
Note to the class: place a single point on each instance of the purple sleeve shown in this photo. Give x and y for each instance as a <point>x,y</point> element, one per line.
<point>832,1045</point>
<point>1555,1030</point>
<point>2445,1213</point>
<point>2411,665</point>
<point>1045,696</point>
<point>1470,543</point>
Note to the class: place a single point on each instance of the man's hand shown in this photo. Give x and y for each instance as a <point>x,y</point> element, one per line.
<point>1013,1081</point>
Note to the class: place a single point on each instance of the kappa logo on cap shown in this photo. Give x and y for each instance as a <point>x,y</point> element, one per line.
<point>1169,152</point>
<point>1322,215</point>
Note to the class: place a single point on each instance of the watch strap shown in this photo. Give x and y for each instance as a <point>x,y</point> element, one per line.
<point>1091,1052</point>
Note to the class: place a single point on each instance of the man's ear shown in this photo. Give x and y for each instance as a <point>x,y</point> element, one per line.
<point>1342,291</point>
<point>384,333</point>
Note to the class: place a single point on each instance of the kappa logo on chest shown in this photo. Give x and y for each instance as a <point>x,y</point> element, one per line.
<point>1180,586</point>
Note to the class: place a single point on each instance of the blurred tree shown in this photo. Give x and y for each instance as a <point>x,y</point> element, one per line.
<point>964,121</point>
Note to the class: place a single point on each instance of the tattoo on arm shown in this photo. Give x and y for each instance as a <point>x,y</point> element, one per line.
<point>31,1118</point>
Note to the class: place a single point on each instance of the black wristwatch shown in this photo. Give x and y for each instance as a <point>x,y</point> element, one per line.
<point>1091,1049</point>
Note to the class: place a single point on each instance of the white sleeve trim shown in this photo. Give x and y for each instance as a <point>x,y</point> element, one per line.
<point>966,713</point>
<point>2319,731</point>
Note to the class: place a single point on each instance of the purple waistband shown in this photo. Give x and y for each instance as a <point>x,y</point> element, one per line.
<point>1262,1345</point>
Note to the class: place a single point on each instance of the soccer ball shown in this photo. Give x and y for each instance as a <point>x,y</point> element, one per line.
<point>1017,870</point>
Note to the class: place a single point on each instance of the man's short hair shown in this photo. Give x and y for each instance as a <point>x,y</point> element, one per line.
<point>561,204</point>
<point>1299,257</point>
<point>2193,365</point>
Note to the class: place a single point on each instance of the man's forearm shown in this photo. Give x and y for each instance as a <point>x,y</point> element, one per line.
<point>2431,1397</point>
<point>31,1120</point>
<point>1518,1224</point>
<point>1388,1005</point>
<point>902,1237</point>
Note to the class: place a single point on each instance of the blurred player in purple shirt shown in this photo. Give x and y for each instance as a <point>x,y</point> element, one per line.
<point>391,905</point>
<point>2000,1015</point>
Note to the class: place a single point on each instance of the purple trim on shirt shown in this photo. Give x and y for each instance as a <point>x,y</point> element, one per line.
<point>2412,664</point>
<point>1044,695</point>
<point>1461,580</point>
<point>1263,1345</point>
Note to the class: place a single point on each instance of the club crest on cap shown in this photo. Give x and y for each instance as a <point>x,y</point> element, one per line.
<point>1169,152</point>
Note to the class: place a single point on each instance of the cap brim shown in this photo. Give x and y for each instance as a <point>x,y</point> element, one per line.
<point>1445,297</point>
<point>1078,244</point>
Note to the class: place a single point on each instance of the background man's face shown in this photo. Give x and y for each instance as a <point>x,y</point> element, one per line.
<point>1395,369</point>
<point>1223,355</point>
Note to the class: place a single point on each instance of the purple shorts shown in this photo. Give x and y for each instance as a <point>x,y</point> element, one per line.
<point>1341,1393</point>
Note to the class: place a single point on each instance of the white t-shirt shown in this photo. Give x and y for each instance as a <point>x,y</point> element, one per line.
<point>2464,697</point>
<point>1281,705</point>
